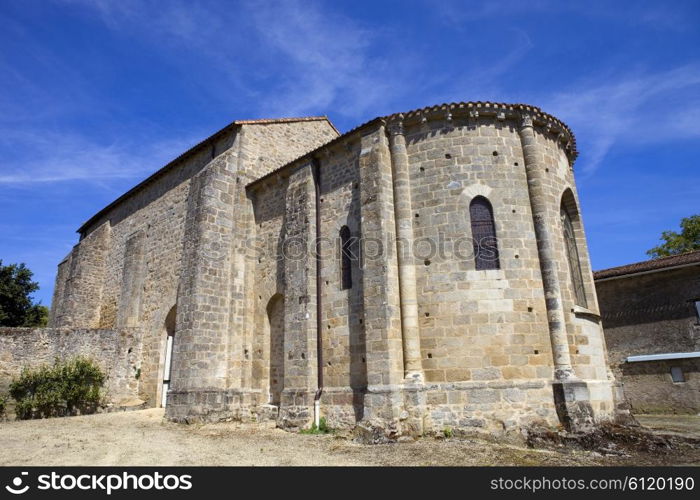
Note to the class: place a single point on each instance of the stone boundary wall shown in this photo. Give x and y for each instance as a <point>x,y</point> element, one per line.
<point>117,352</point>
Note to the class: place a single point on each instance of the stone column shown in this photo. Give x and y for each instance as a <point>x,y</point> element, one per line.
<point>571,395</point>
<point>539,200</point>
<point>413,368</point>
<point>381,301</point>
<point>300,325</point>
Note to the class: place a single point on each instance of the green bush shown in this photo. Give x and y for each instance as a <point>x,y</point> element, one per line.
<point>67,388</point>
<point>3,402</point>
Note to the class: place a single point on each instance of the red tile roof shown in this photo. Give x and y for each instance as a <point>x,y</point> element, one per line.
<point>661,263</point>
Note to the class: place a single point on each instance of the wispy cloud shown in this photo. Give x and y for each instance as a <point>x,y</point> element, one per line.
<point>637,108</point>
<point>66,156</point>
<point>309,58</point>
<point>327,60</point>
<point>654,15</point>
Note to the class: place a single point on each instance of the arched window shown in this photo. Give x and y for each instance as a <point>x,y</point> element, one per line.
<point>573,258</point>
<point>345,259</point>
<point>483,234</point>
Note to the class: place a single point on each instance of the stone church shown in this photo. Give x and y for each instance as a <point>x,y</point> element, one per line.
<point>425,270</point>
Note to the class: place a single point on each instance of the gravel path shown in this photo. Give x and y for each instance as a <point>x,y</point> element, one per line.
<point>144,438</point>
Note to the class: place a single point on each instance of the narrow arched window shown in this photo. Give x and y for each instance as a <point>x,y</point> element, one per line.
<point>483,234</point>
<point>345,258</point>
<point>573,258</point>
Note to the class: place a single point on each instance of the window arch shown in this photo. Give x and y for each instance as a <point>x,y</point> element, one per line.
<point>484,234</point>
<point>345,258</point>
<point>573,258</point>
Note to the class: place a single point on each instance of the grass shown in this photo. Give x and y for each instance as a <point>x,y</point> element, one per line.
<point>321,429</point>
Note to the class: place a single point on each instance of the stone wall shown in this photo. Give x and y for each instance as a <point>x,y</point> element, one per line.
<point>476,325</point>
<point>654,314</point>
<point>117,352</point>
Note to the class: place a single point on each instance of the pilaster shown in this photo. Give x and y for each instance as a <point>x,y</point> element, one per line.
<point>381,301</point>
<point>300,325</point>
<point>200,353</point>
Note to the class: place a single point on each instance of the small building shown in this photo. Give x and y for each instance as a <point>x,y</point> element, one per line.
<point>651,319</point>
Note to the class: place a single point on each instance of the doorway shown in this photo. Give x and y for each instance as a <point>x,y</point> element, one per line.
<point>168,362</point>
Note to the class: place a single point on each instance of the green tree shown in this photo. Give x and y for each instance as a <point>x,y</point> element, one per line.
<point>677,243</point>
<point>17,307</point>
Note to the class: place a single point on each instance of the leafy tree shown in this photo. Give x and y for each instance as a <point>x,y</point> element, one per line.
<point>677,243</point>
<point>16,305</point>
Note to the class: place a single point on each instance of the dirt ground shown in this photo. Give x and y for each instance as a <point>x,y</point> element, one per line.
<point>144,438</point>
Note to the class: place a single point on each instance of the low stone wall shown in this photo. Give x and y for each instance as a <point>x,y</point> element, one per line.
<point>117,352</point>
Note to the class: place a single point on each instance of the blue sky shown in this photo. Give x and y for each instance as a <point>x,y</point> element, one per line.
<point>95,95</point>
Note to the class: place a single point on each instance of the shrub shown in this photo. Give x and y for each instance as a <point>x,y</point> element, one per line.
<point>67,388</point>
<point>3,402</point>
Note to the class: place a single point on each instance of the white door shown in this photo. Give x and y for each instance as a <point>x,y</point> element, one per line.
<point>166,370</point>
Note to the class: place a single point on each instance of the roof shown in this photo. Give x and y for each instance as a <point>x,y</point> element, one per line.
<point>197,147</point>
<point>660,264</point>
<point>447,108</point>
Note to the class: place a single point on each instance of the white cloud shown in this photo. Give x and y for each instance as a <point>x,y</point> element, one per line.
<point>65,156</point>
<point>325,60</point>
<point>639,108</point>
<point>309,59</point>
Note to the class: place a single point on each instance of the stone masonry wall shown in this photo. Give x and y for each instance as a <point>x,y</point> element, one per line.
<point>654,314</point>
<point>343,330</point>
<point>117,352</point>
<point>476,325</point>
<point>271,145</point>
<point>484,337</point>
<point>585,336</point>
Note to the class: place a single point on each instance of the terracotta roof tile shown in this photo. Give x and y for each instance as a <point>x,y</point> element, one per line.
<point>650,265</point>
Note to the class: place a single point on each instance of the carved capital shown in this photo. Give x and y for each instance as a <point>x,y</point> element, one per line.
<point>395,127</point>
<point>525,121</point>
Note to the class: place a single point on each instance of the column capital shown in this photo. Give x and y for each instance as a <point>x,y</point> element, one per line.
<point>525,121</point>
<point>395,127</point>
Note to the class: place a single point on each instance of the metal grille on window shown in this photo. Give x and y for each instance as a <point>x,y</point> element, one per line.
<point>483,234</point>
<point>573,258</point>
<point>345,259</point>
